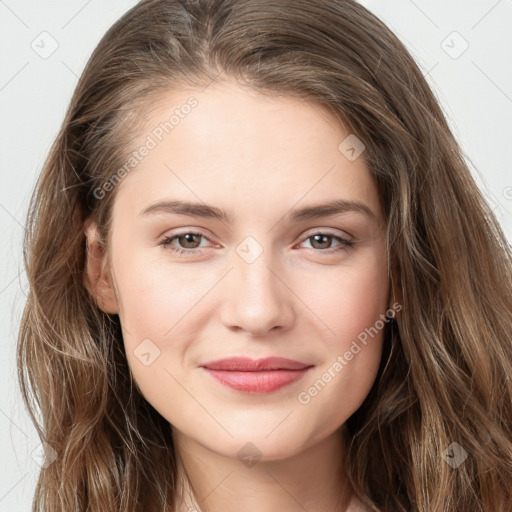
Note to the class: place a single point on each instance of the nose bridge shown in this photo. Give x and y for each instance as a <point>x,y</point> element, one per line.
<point>256,278</point>
<point>258,300</point>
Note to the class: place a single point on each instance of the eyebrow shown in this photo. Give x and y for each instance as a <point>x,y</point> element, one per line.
<point>329,208</point>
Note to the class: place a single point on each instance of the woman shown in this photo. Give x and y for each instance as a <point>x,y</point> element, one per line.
<point>338,339</point>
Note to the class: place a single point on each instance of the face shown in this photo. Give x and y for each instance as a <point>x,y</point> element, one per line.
<point>192,286</point>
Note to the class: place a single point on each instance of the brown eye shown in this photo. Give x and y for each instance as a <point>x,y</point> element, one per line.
<point>322,242</point>
<point>186,243</point>
<point>187,240</point>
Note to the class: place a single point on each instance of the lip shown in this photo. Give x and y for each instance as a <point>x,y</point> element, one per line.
<point>256,376</point>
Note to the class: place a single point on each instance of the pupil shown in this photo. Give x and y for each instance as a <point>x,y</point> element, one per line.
<point>189,238</point>
<point>317,237</point>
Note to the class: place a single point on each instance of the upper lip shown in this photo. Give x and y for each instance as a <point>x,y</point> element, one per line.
<point>246,364</point>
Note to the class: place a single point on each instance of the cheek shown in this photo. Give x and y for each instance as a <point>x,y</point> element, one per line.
<point>156,298</point>
<point>353,308</point>
<point>338,388</point>
<point>348,299</point>
<point>161,315</point>
<point>157,314</point>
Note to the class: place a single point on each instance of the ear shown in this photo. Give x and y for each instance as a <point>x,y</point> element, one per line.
<point>97,278</point>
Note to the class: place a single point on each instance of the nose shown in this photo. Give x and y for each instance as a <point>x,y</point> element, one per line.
<point>258,299</point>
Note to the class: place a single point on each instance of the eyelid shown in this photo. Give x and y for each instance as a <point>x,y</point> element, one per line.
<point>345,242</point>
<point>328,231</point>
<point>190,231</point>
<point>307,234</point>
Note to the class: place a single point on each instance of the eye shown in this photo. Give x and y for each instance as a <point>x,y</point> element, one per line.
<point>322,241</point>
<point>188,239</point>
<point>190,242</point>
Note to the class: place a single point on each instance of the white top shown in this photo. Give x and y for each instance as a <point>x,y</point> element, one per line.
<point>356,505</point>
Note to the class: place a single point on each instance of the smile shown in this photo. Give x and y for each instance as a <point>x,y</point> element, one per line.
<point>256,376</point>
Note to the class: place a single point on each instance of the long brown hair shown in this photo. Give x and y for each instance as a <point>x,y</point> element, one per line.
<point>444,387</point>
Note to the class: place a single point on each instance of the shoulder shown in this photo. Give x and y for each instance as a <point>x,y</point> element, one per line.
<point>356,505</point>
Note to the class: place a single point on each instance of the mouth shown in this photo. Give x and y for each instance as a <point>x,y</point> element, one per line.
<point>256,376</point>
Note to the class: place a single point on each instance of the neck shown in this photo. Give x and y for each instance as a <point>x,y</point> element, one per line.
<point>312,480</point>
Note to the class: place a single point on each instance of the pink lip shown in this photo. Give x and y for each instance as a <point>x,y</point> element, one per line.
<point>256,376</point>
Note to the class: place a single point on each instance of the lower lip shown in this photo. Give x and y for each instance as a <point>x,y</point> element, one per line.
<point>257,382</point>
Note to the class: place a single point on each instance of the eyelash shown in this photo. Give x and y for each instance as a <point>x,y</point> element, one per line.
<point>344,245</point>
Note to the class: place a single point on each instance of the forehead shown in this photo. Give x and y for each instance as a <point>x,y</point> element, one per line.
<point>229,142</point>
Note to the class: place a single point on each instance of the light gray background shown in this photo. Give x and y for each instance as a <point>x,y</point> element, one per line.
<point>474,87</point>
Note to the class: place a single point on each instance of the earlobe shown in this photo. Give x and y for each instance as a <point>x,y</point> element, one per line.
<point>97,279</point>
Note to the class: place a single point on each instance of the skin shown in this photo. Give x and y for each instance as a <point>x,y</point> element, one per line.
<point>258,157</point>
